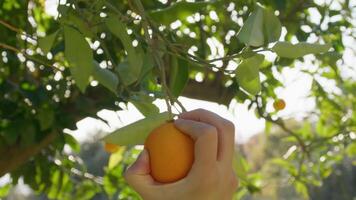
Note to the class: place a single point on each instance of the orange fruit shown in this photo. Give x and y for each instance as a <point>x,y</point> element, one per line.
<point>171,153</point>
<point>111,148</point>
<point>279,104</point>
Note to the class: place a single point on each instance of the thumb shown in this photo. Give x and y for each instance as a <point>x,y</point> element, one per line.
<point>138,174</point>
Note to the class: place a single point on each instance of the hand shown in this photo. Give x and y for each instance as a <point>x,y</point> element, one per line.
<point>211,176</point>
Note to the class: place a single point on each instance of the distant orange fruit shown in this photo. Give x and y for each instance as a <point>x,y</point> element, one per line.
<point>111,148</point>
<point>171,153</point>
<point>279,104</point>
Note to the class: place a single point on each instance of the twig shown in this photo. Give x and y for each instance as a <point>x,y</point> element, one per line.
<point>14,49</point>
<point>281,124</point>
<point>13,28</point>
<point>152,44</point>
<point>15,156</point>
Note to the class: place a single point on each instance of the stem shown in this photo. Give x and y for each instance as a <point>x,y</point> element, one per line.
<point>14,49</point>
<point>152,45</point>
<point>15,29</point>
<point>281,124</point>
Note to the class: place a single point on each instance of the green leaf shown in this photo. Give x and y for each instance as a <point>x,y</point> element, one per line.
<point>4,190</point>
<point>136,133</point>
<point>72,18</point>
<point>179,75</point>
<point>180,10</point>
<point>80,56</point>
<point>105,77</point>
<point>351,150</point>
<point>143,103</point>
<point>72,142</point>
<point>240,166</point>
<point>126,75</point>
<point>272,27</point>
<point>241,96</point>
<point>46,43</point>
<point>329,58</point>
<point>134,55</point>
<point>247,74</point>
<point>251,32</point>
<point>85,190</point>
<point>302,189</point>
<point>115,158</point>
<point>147,66</point>
<point>288,50</point>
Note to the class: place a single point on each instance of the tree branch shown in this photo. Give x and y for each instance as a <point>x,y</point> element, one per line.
<point>281,124</point>
<point>16,156</point>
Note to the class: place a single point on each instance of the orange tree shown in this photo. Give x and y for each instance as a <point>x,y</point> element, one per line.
<point>94,54</point>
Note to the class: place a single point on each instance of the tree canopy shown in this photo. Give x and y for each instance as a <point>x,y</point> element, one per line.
<point>95,54</point>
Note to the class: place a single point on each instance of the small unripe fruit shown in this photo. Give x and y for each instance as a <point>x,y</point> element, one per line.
<point>111,148</point>
<point>279,104</point>
<point>171,153</point>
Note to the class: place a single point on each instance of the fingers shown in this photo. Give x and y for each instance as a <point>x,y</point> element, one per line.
<point>206,143</point>
<point>138,174</point>
<point>226,131</point>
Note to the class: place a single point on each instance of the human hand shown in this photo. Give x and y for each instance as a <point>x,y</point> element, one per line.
<point>211,176</point>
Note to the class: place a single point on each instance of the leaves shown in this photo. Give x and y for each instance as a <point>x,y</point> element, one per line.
<point>72,142</point>
<point>351,150</point>
<point>127,77</point>
<point>247,74</point>
<point>143,103</point>
<point>251,32</point>
<point>260,28</point>
<point>179,10</point>
<point>302,189</point>
<point>115,158</point>
<point>134,56</point>
<point>46,43</point>
<point>288,50</point>
<point>240,166</point>
<point>4,190</point>
<point>136,133</point>
<point>79,55</point>
<point>105,77</point>
<point>179,75</point>
<point>272,27</point>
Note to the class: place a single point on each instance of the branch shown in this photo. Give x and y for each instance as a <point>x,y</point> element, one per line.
<point>14,49</point>
<point>13,28</point>
<point>153,47</point>
<point>281,124</point>
<point>16,156</point>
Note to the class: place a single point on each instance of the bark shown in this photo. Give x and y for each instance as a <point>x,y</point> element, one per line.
<point>209,92</point>
<point>15,156</point>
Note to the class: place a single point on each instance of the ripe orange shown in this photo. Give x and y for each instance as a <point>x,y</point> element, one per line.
<point>279,104</point>
<point>111,148</point>
<point>171,153</point>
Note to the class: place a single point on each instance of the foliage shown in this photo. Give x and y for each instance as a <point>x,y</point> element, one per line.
<point>142,50</point>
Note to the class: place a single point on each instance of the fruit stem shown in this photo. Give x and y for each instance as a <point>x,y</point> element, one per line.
<point>152,44</point>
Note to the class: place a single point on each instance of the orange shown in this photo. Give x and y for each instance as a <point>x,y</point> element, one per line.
<point>111,148</point>
<point>279,104</point>
<point>171,153</point>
